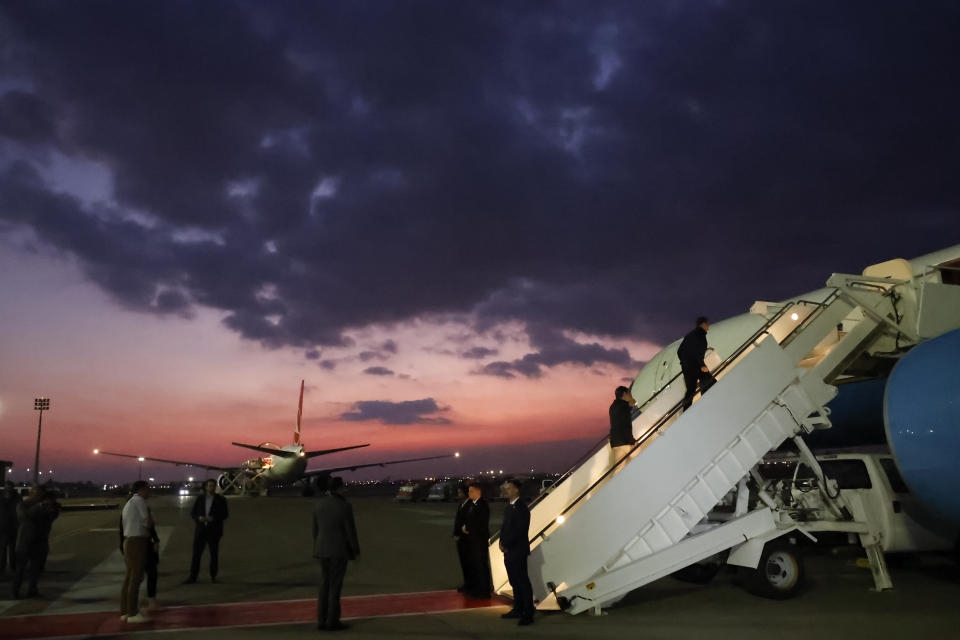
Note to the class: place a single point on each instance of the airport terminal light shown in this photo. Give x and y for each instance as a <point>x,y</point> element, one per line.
<point>39,404</point>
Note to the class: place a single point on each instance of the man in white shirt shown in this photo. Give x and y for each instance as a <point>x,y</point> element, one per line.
<point>136,521</point>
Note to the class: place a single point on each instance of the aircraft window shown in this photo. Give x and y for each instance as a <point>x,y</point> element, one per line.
<point>893,475</point>
<point>849,474</point>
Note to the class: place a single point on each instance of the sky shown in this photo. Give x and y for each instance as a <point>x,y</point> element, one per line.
<point>461,223</point>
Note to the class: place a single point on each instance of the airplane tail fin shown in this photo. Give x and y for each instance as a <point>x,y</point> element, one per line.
<point>296,434</point>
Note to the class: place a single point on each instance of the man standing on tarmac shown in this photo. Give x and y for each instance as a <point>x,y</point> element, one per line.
<point>621,424</point>
<point>334,544</point>
<point>476,530</point>
<point>135,521</point>
<point>691,352</point>
<point>463,553</point>
<point>36,515</point>
<point>9,503</point>
<point>209,511</point>
<point>515,545</point>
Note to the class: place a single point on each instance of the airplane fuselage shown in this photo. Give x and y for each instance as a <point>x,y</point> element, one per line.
<point>280,468</point>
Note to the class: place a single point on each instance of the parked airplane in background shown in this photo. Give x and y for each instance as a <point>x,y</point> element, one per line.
<point>283,464</point>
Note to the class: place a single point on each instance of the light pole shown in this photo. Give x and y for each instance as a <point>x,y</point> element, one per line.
<point>140,472</point>
<point>41,405</point>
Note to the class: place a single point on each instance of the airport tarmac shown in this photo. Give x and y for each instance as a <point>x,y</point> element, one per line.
<point>402,586</point>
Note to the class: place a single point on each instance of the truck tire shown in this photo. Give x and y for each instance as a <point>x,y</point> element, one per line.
<point>780,573</point>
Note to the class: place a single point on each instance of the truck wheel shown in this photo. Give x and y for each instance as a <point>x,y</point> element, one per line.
<point>779,575</point>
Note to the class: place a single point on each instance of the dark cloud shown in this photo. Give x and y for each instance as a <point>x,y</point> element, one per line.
<point>611,168</point>
<point>312,354</point>
<point>389,346</point>
<point>378,371</point>
<point>329,365</point>
<point>478,353</point>
<point>554,348</point>
<point>406,412</point>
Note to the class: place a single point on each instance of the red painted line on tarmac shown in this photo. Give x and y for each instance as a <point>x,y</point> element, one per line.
<point>237,614</point>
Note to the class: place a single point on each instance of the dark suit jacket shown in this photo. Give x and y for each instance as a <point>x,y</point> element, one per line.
<point>334,531</point>
<point>461,518</point>
<point>621,424</point>
<point>36,518</point>
<point>692,349</point>
<point>8,510</point>
<point>477,521</point>
<point>218,511</point>
<point>515,529</point>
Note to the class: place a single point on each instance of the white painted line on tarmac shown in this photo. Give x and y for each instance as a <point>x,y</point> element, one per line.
<point>99,588</point>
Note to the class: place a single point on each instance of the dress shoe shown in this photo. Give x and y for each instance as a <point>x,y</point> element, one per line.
<point>337,627</point>
<point>510,614</point>
<point>462,588</point>
<point>524,622</point>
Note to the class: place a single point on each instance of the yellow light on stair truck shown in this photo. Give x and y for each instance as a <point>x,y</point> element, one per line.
<point>560,519</point>
<point>794,316</point>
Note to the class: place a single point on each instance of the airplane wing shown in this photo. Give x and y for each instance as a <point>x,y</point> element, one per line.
<point>354,467</point>
<point>291,454</point>
<point>179,463</point>
<point>271,451</point>
<point>323,452</point>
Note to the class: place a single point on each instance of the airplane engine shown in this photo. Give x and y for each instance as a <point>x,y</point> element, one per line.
<point>225,480</point>
<point>921,411</point>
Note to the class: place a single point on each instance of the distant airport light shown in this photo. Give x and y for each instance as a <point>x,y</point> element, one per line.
<point>150,479</point>
<point>141,459</point>
<point>794,316</point>
<point>40,404</point>
<point>456,455</point>
<point>190,479</point>
<point>302,454</point>
<point>96,451</point>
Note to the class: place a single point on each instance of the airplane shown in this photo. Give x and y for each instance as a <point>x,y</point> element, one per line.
<point>900,393</point>
<point>282,464</point>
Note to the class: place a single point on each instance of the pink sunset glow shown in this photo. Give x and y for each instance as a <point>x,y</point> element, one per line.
<point>185,388</point>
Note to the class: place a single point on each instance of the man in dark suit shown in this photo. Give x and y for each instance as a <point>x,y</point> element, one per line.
<point>36,515</point>
<point>209,511</point>
<point>9,502</point>
<point>334,544</point>
<point>690,353</point>
<point>460,539</point>
<point>476,530</point>
<point>515,545</point>
<point>621,423</point>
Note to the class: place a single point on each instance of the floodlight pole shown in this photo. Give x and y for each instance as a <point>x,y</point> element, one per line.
<point>41,405</point>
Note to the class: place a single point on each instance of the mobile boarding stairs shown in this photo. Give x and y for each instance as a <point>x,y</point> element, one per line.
<point>608,526</point>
